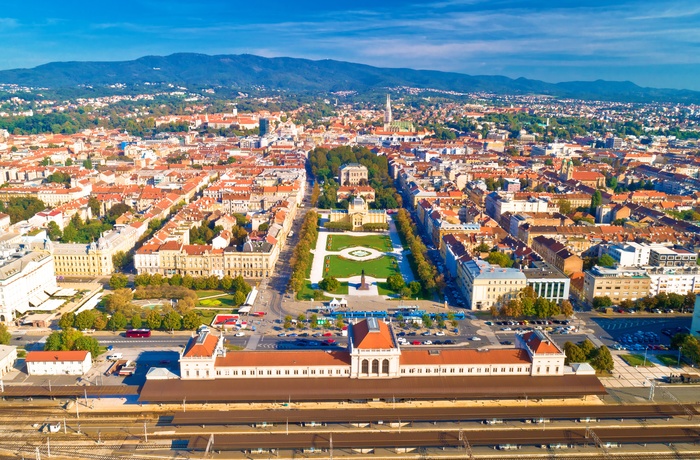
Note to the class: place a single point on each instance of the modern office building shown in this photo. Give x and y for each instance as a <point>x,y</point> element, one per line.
<point>548,282</point>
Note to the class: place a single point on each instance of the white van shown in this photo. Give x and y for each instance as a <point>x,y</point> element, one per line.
<point>115,356</point>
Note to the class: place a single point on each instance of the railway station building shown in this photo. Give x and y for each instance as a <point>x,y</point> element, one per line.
<point>373,353</point>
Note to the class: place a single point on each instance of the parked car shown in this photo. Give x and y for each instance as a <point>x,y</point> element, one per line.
<point>439,333</point>
<point>416,342</point>
<point>476,339</point>
<point>427,342</point>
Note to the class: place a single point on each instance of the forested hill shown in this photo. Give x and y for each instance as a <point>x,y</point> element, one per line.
<point>302,75</point>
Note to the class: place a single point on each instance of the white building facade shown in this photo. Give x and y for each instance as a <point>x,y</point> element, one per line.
<point>58,362</point>
<point>26,278</point>
<point>373,353</point>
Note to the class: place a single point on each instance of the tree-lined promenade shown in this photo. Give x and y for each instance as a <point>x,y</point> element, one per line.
<point>426,272</point>
<point>302,257</point>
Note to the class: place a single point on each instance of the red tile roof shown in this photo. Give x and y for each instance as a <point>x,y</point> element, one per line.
<point>201,350</point>
<point>540,343</point>
<point>55,356</point>
<point>366,339</point>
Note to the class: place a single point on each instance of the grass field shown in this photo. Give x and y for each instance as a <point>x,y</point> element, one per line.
<point>382,267</point>
<point>307,293</point>
<point>225,301</point>
<point>636,360</point>
<point>337,242</point>
<point>668,360</point>
<point>209,293</point>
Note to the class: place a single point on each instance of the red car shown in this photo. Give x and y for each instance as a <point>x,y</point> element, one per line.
<point>329,341</point>
<point>327,334</point>
<point>416,342</point>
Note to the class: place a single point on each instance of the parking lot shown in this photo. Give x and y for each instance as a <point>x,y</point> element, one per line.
<point>636,333</point>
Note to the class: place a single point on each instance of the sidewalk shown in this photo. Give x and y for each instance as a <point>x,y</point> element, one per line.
<point>625,375</point>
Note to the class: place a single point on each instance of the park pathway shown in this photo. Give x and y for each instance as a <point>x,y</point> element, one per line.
<point>319,256</point>
<point>400,254</point>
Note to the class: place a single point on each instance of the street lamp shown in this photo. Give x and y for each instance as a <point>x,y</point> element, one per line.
<point>645,356</point>
<point>679,356</point>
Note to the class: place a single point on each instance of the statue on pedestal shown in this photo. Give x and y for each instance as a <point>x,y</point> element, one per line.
<point>363,283</point>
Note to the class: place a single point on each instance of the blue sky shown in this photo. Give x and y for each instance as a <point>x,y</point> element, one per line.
<point>652,43</point>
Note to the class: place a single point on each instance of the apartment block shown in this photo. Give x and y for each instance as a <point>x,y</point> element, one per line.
<point>617,283</point>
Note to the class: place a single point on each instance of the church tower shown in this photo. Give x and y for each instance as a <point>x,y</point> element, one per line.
<point>387,112</point>
<point>567,170</point>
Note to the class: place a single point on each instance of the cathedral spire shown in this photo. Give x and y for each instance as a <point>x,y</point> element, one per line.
<point>387,111</point>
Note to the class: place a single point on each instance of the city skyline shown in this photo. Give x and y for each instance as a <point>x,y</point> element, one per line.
<point>635,40</point>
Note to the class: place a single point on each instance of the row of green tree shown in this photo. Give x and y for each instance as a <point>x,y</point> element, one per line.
<point>586,352</point>
<point>426,272</point>
<point>70,339</point>
<point>529,305</point>
<point>689,346</point>
<point>166,319</point>
<point>302,257</point>
<point>660,301</point>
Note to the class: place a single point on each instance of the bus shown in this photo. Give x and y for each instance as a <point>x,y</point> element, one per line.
<point>138,333</point>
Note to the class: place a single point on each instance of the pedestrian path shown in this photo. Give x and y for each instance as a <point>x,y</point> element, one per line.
<point>400,254</point>
<point>625,375</point>
<point>319,256</point>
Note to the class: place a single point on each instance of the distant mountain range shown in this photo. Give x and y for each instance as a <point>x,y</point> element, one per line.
<point>302,75</point>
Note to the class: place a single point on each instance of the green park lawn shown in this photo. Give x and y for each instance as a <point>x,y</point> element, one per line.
<point>668,360</point>
<point>338,242</point>
<point>636,360</point>
<point>225,301</point>
<point>307,293</point>
<point>338,267</point>
<point>209,293</point>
